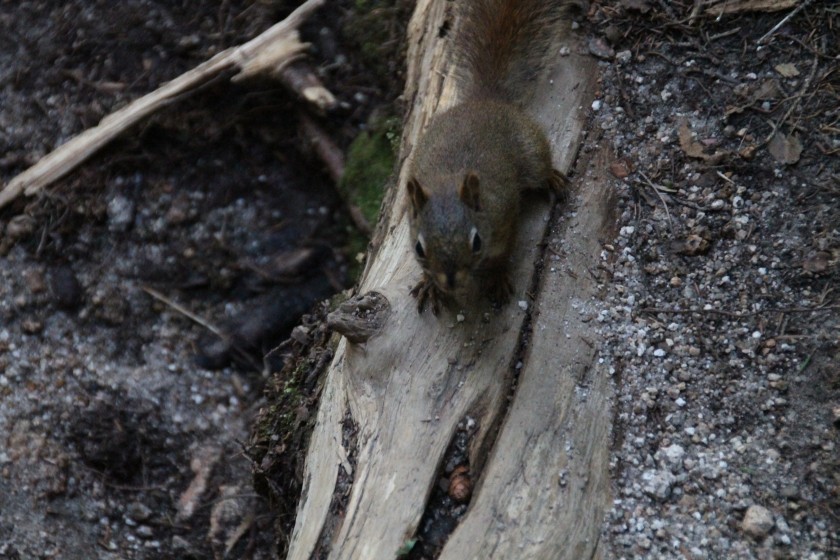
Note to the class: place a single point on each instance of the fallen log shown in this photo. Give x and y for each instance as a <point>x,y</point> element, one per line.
<point>394,397</point>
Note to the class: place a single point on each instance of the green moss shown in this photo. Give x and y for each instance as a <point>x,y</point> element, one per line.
<point>370,162</point>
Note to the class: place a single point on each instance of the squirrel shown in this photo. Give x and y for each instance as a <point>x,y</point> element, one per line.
<point>475,159</point>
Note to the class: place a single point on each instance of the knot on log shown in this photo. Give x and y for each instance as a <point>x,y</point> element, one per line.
<point>360,317</point>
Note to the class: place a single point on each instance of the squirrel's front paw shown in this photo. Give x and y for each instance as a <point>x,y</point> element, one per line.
<point>425,290</point>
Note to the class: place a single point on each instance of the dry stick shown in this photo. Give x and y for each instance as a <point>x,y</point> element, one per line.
<point>303,80</point>
<point>661,198</point>
<point>333,158</point>
<point>185,312</point>
<point>785,19</point>
<point>274,48</point>
<point>795,104</point>
<point>330,154</point>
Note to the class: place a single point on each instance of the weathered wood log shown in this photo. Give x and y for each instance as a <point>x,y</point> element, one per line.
<point>402,389</point>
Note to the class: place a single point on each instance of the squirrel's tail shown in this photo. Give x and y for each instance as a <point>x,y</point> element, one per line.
<point>501,44</point>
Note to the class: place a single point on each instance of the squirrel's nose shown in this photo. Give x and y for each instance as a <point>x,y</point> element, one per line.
<point>450,279</point>
<point>446,279</point>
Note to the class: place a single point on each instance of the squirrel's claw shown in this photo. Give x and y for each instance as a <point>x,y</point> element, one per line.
<point>425,290</point>
<point>558,183</point>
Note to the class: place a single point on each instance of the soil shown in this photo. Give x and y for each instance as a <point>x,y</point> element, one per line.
<point>123,421</point>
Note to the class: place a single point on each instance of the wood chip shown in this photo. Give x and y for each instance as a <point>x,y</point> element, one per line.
<point>785,149</point>
<point>787,70</point>
<point>621,168</point>
<point>741,6</point>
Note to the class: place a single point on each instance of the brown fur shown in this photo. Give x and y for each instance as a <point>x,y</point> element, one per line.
<point>475,159</point>
<point>501,43</point>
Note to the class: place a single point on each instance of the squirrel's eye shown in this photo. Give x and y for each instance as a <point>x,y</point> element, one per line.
<point>476,241</point>
<point>419,248</point>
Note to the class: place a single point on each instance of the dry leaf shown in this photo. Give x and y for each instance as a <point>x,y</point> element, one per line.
<point>695,149</point>
<point>739,6</point>
<point>621,168</point>
<point>787,70</point>
<point>785,149</point>
<point>768,89</point>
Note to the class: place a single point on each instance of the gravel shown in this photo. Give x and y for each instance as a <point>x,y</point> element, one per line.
<point>722,338</point>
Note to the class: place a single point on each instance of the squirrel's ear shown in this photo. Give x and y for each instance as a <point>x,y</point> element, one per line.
<point>468,193</point>
<point>416,194</point>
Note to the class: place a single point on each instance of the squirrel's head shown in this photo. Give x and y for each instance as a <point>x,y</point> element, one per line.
<point>448,240</point>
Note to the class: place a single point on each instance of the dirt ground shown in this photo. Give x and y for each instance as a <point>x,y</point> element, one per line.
<point>123,423</point>
<point>722,319</point>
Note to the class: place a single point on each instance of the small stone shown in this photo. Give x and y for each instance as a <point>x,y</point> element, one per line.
<point>657,484</point>
<point>790,492</point>
<point>758,521</point>
<point>183,546</point>
<point>35,281</point>
<point>674,454</point>
<point>20,226</point>
<point>32,326</point>
<point>145,531</point>
<point>600,48</point>
<point>139,511</point>
<point>523,305</point>
<point>120,213</point>
<point>65,287</point>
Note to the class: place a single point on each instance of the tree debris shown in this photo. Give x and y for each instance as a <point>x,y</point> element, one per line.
<point>272,50</point>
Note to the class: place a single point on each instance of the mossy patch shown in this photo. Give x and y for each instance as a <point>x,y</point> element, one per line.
<point>369,167</point>
<point>370,162</point>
